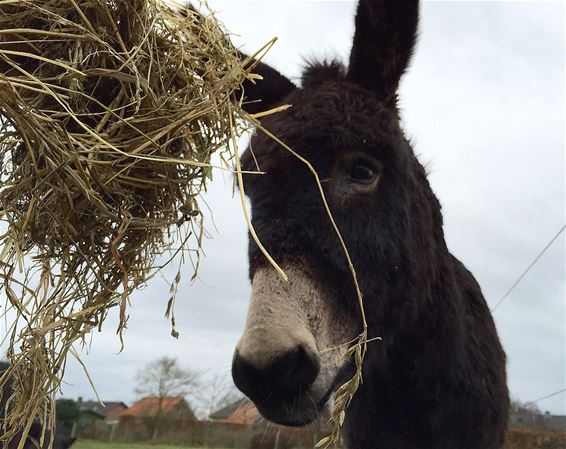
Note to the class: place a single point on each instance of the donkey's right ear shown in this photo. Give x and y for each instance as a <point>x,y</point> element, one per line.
<point>266,93</point>
<point>386,31</point>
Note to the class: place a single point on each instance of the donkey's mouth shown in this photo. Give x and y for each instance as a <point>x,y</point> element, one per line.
<point>296,411</point>
<point>302,407</point>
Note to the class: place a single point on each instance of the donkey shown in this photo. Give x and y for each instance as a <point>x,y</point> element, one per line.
<point>62,438</point>
<point>437,380</point>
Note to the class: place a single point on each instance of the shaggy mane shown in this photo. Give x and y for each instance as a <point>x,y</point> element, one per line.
<point>319,71</point>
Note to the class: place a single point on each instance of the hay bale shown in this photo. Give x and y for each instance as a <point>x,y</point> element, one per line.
<point>109,114</point>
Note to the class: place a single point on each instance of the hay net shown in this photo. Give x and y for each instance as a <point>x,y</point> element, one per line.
<point>109,114</point>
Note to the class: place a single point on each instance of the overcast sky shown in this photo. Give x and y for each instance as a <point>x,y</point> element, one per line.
<point>484,105</point>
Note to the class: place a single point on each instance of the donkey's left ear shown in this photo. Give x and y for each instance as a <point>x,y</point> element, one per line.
<point>386,31</point>
<point>266,93</point>
<point>259,95</point>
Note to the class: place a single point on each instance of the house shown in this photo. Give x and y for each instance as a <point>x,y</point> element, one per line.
<point>87,418</point>
<point>557,422</point>
<point>172,407</point>
<point>109,411</point>
<point>535,419</point>
<point>241,411</point>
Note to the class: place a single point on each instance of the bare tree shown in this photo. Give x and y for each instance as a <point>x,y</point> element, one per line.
<point>163,378</point>
<point>525,407</point>
<point>216,392</point>
<point>527,414</point>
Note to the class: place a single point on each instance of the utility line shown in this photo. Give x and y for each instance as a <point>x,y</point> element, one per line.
<point>520,278</point>
<point>547,396</point>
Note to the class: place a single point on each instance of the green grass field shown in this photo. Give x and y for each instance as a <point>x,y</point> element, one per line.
<point>89,444</point>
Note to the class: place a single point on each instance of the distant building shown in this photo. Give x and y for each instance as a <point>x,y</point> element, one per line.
<point>110,411</point>
<point>530,419</point>
<point>555,421</point>
<point>86,418</point>
<point>241,411</point>
<point>172,407</point>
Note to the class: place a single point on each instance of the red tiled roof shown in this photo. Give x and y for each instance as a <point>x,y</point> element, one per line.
<point>97,407</point>
<point>150,406</point>
<point>114,413</point>
<point>225,412</point>
<point>246,413</point>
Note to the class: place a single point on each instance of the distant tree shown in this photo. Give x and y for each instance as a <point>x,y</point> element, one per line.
<point>217,391</point>
<point>526,407</point>
<point>67,412</point>
<point>528,414</point>
<point>163,378</point>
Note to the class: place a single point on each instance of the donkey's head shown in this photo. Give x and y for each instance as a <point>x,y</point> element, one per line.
<point>345,123</point>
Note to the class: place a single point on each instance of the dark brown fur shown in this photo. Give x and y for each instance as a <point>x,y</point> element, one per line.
<point>437,380</point>
<point>62,439</point>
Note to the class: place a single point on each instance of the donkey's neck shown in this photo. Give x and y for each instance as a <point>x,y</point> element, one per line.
<point>405,375</point>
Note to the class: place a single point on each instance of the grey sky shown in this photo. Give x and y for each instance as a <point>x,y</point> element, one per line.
<point>484,105</point>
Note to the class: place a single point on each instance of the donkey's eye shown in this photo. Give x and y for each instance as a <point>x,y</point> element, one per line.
<point>355,173</point>
<point>362,172</point>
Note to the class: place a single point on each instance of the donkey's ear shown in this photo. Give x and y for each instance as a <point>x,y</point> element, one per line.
<point>384,39</point>
<point>259,95</point>
<point>266,93</point>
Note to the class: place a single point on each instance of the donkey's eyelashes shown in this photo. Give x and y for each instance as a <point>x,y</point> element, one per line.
<point>362,172</point>
<point>355,173</point>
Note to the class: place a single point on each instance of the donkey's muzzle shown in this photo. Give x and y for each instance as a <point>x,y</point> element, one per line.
<point>277,363</point>
<point>279,386</point>
<point>288,374</point>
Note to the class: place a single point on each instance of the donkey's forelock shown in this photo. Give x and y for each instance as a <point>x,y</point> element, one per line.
<point>383,44</point>
<point>317,71</point>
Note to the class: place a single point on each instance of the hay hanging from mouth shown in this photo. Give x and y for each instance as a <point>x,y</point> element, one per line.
<point>109,114</point>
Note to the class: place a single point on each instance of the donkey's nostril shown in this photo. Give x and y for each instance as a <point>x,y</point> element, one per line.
<point>296,368</point>
<point>287,373</point>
